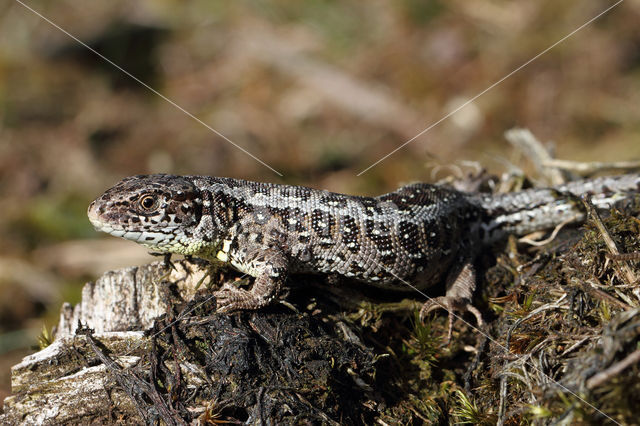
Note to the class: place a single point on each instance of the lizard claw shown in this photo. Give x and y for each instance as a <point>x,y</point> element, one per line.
<point>231,298</point>
<point>451,305</point>
<point>458,297</point>
<point>225,302</point>
<point>166,259</point>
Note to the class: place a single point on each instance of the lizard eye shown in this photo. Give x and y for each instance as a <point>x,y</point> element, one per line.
<point>148,202</point>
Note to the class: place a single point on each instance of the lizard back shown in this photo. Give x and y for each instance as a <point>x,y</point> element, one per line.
<point>416,233</point>
<point>413,233</point>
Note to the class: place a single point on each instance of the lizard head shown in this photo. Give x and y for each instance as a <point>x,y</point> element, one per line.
<point>157,211</point>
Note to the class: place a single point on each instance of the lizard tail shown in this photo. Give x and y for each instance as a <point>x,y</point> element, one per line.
<point>534,209</point>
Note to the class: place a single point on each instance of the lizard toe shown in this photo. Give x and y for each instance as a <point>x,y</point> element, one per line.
<point>230,298</point>
<point>452,306</point>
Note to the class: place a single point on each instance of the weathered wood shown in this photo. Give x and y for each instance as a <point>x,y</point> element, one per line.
<point>127,299</point>
<point>65,382</point>
<point>190,365</point>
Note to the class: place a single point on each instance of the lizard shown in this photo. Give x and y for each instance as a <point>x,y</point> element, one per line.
<point>421,234</point>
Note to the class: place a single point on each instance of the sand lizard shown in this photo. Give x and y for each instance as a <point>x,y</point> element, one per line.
<point>419,234</point>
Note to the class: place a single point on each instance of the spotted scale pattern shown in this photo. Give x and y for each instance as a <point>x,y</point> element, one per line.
<point>418,233</point>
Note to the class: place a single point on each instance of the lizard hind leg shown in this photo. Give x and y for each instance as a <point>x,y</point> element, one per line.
<point>461,284</point>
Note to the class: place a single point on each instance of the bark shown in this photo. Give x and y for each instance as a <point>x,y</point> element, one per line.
<point>190,365</point>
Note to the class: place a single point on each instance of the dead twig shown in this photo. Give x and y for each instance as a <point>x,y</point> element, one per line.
<point>617,368</point>
<point>551,237</point>
<point>586,168</point>
<point>504,374</point>
<point>524,140</point>
<point>135,387</point>
<point>594,290</point>
<point>624,256</point>
<point>626,271</point>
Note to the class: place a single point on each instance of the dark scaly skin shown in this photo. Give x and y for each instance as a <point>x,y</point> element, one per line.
<point>419,234</point>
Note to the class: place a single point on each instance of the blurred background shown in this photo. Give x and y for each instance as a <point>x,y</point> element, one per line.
<point>318,90</point>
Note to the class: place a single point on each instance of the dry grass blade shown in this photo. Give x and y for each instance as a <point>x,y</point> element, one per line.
<point>627,273</point>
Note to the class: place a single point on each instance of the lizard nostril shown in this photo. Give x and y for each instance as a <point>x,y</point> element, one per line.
<point>95,210</point>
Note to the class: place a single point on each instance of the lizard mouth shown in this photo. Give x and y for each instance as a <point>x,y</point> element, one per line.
<point>100,219</point>
<point>137,236</point>
<point>100,224</point>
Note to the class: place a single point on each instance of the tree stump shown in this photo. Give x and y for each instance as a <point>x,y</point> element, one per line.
<point>144,345</point>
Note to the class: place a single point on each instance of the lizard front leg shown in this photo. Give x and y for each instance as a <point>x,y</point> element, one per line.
<point>269,266</point>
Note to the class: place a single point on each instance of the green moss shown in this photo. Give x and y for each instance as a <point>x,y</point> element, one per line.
<point>422,12</point>
<point>466,411</point>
